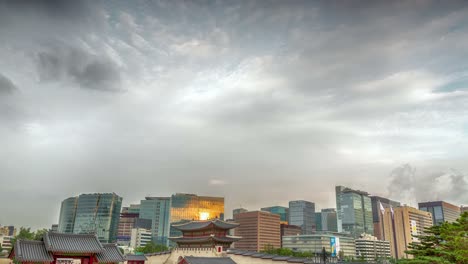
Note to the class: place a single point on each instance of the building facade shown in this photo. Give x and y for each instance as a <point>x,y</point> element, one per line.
<point>282,211</point>
<point>158,211</point>
<point>7,231</point>
<point>238,210</point>
<point>289,230</point>
<point>371,249</point>
<point>441,211</point>
<point>463,209</point>
<point>5,242</point>
<point>140,237</point>
<point>130,220</point>
<point>354,211</point>
<point>96,213</point>
<point>332,242</point>
<point>401,226</point>
<point>302,213</point>
<point>328,217</point>
<point>258,229</point>
<point>377,215</point>
<point>193,207</point>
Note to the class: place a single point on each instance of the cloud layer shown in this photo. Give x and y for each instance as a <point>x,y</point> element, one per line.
<point>260,102</point>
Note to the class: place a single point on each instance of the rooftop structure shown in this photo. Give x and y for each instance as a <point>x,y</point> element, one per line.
<point>61,248</point>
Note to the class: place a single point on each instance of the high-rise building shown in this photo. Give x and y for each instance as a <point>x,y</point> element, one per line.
<point>318,221</point>
<point>157,210</point>
<point>279,210</point>
<point>129,219</point>
<point>328,216</point>
<point>302,213</point>
<point>354,211</point>
<point>54,228</point>
<point>193,207</point>
<point>441,211</point>
<point>377,215</point>
<point>258,229</point>
<point>371,249</point>
<point>96,213</point>
<point>238,210</point>
<point>401,226</point>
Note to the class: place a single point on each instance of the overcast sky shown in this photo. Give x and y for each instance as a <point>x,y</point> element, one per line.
<point>260,102</point>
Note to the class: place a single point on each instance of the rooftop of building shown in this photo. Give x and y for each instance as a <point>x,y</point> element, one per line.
<point>438,203</point>
<point>42,251</point>
<point>200,225</point>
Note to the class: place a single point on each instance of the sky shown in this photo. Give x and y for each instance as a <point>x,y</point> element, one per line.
<point>261,102</point>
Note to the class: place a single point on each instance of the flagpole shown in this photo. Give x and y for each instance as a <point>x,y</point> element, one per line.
<point>394,234</point>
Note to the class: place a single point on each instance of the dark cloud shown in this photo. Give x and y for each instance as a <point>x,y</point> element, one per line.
<point>87,70</point>
<point>51,8</point>
<point>6,85</point>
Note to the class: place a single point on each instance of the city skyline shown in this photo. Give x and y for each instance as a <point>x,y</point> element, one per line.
<point>259,102</point>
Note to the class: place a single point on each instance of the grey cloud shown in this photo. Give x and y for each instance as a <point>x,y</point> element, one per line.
<point>6,85</point>
<point>407,185</point>
<point>86,70</point>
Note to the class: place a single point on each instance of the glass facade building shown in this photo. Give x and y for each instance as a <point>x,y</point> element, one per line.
<point>279,210</point>
<point>316,242</point>
<point>157,209</point>
<point>96,213</point>
<point>354,211</point>
<point>67,215</point>
<point>329,220</point>
<point>441,211</point>
<point>194,207</point>
<point>302,213</point>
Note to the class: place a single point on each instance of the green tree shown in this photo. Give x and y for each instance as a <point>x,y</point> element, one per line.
<point>151,248</point>
<point>444,243</point>
<point>39,234</point>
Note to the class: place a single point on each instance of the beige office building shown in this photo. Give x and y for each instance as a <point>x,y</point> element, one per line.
<point>401,228</point>
<point>258,230</point>
<point>372,249</point>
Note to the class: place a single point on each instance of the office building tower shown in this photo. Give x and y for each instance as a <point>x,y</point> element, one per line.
<point>401,226</point>
<point>239,210</point>
<point>302,213</point>
<point>96,213</point>
<point>377,215</point>
<point>258,230</point>
<point>318,221</point>
<point>354,211</point>
<point>441,211</point>
<point>129,219</point>
<point>7,231</point>
<point>328,216</point>
<point>279,210</point>
<point>157,210</point>
<point>193,207</point>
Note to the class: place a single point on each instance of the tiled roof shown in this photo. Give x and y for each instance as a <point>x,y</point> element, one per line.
<point>110,254</point>
<point>258,255</point>
<point>72,243</point>
<point>268,256</point>
<point>206,260</point>
<point>281,258</point>
<point>136,257</point>
<point>197,225</point>
<point>31,251</point>
<point>297,260</point>
<point>204,239</point>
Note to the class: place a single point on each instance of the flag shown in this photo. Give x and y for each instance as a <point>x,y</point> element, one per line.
<point>391,210</point>
<point>382,209</point>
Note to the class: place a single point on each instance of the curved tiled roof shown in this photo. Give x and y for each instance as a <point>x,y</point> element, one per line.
<point>281,258</point>
<point>198,225</point>
<point>135,257</point>
<point>31,251</point>
<point>110,254</point>
<point>72,243</point>
<point>225,239</point>
<point>207,260</point>
<point>297,260</point>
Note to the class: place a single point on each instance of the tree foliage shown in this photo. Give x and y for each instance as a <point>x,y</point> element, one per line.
<point>444,243</point>
<point>269,249</point>
<point>151,248</point>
